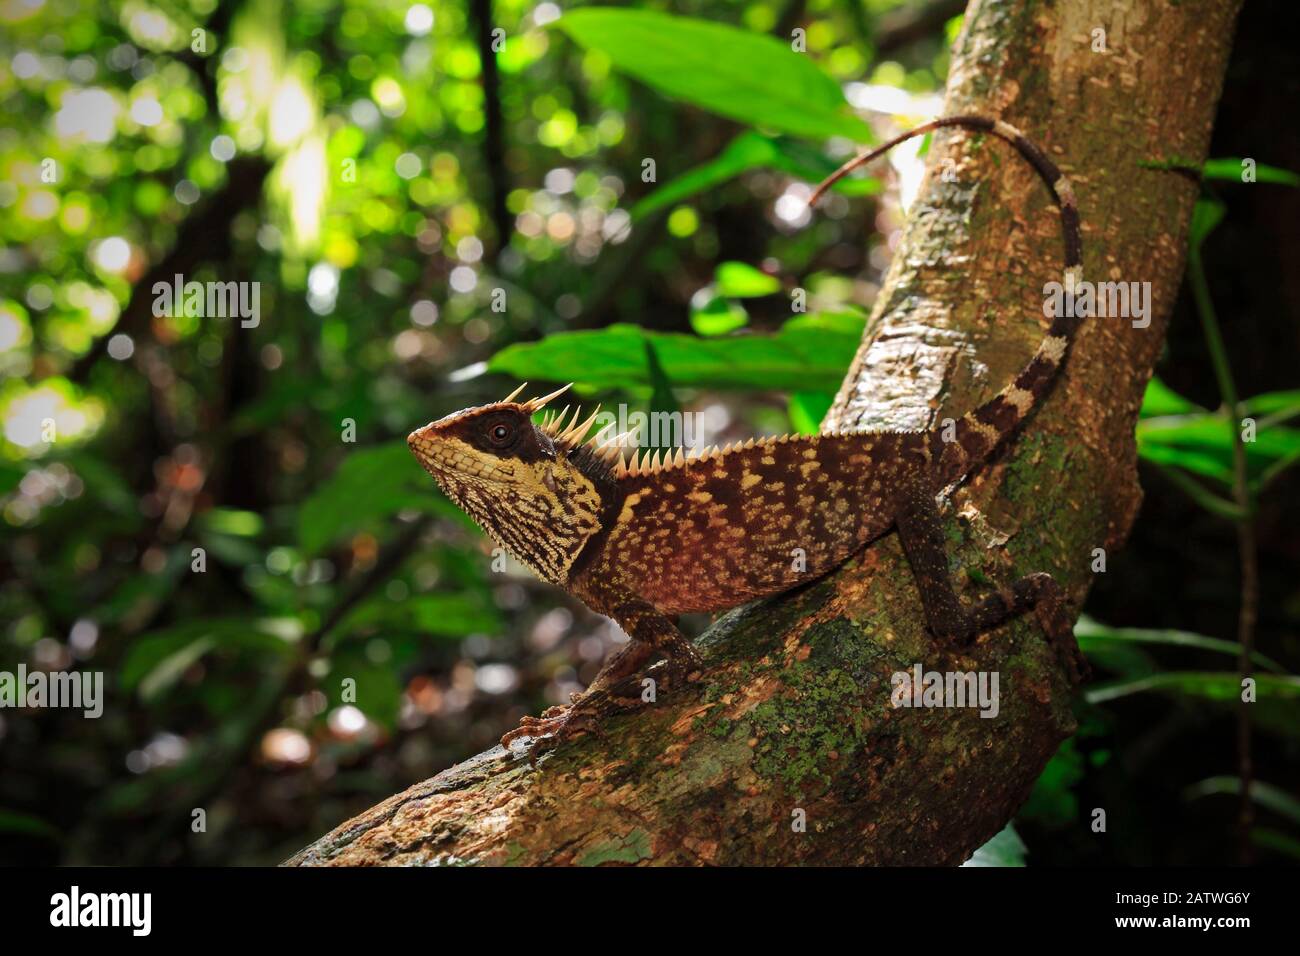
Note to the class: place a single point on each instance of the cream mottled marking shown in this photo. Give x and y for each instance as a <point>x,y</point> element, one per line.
<point>1053,348</point>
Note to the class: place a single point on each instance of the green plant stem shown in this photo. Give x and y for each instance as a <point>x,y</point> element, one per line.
<point>1248,614</point>
<point>1202,495</point>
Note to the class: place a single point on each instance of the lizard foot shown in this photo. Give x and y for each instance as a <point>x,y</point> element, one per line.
<point>558,724</point>
<point>686,667</point>
<point>1058,627</point>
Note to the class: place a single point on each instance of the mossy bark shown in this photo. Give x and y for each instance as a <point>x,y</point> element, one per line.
<point>793,720</point>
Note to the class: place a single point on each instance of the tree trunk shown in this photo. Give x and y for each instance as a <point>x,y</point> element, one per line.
<point>793,720</point>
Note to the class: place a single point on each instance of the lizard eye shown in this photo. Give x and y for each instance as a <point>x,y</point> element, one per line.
<point>500,434</point>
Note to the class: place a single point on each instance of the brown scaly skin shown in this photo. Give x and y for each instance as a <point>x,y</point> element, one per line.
<point>645,540</point>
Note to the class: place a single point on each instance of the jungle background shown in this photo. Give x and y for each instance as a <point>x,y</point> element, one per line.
<point>435,212</point>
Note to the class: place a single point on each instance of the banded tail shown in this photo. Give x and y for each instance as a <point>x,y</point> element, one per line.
<point>981,430</point>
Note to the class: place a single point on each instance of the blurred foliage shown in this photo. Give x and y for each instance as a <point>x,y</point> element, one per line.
<point>219,512</point>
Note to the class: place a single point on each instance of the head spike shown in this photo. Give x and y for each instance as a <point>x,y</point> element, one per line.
<point>579,431</point>
<point>537,404</point>
<point>557,423</point>
<point>512,395</point>
<point>680,458</point>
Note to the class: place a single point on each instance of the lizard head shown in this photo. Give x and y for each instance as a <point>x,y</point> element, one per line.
<point>523,483</point>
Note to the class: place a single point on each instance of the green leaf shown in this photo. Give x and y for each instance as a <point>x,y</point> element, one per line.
<point>1276,841</point>
<point>1206,216</point>
<point>1274,404</point>
<point>739,280</point>
<point>24,824</point>
<point>155,661</point>
<point>1160,399</point>
<point>1229,168</point>
<point>807,409</point>
<point>378,691</point>
<point>747,151</point>
<point>662,399</point>
<point>1220,686</point>
<point>751,150</point>
<point>1004,849</point>
<point>1092,634</point>
<point>1052,801</point>
<point>244,524</point>
<point>446,615</point>
<point>1201,443</point>
<point>750,77</point>
<point>1264,794</point>
<point>809,353</point>
<point>372,484</point>
<point>717,316</point>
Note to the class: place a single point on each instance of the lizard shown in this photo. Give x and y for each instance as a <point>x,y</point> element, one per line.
<point>645,538</point>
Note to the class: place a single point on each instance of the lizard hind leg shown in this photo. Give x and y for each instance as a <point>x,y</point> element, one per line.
<point>584,712</point>
<point>651,632</point>
<point>951,621</point>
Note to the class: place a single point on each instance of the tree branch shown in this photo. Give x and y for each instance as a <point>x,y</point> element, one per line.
<point>793,720</point>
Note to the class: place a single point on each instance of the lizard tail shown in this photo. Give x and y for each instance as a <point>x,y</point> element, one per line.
<point>977,433</point>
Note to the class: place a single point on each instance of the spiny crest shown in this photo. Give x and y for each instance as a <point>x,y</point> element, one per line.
<point>570,432</point>
<point>655,462</point>
<point>567,431</point>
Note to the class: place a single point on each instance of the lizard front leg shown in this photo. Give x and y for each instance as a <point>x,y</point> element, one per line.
<point>650,632</point>
<point>949,620</point>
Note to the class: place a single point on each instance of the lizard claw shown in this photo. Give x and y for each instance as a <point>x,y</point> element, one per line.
<point>554,726</point>
<point>1059,629</point>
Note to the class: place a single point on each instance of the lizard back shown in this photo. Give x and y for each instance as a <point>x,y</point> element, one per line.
<point>709,533</point>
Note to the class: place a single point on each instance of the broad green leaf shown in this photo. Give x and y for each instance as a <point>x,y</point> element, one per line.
<point>717,316</point>
<point>747,151</point>
<point>662,399</point>
<point>1198,462</point>
<point>750,77</point>
<point>751,150</point>
<point>1092,634</point>
<point>740,280</point>
<point>371,484</point>
<point>1004,849</point>
<point>809,353</point>
<point>1229,168</point>
<point>1202,444</point>
<point>1160,399</point>
<point>1274,404</point>
<point>807,409</point>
